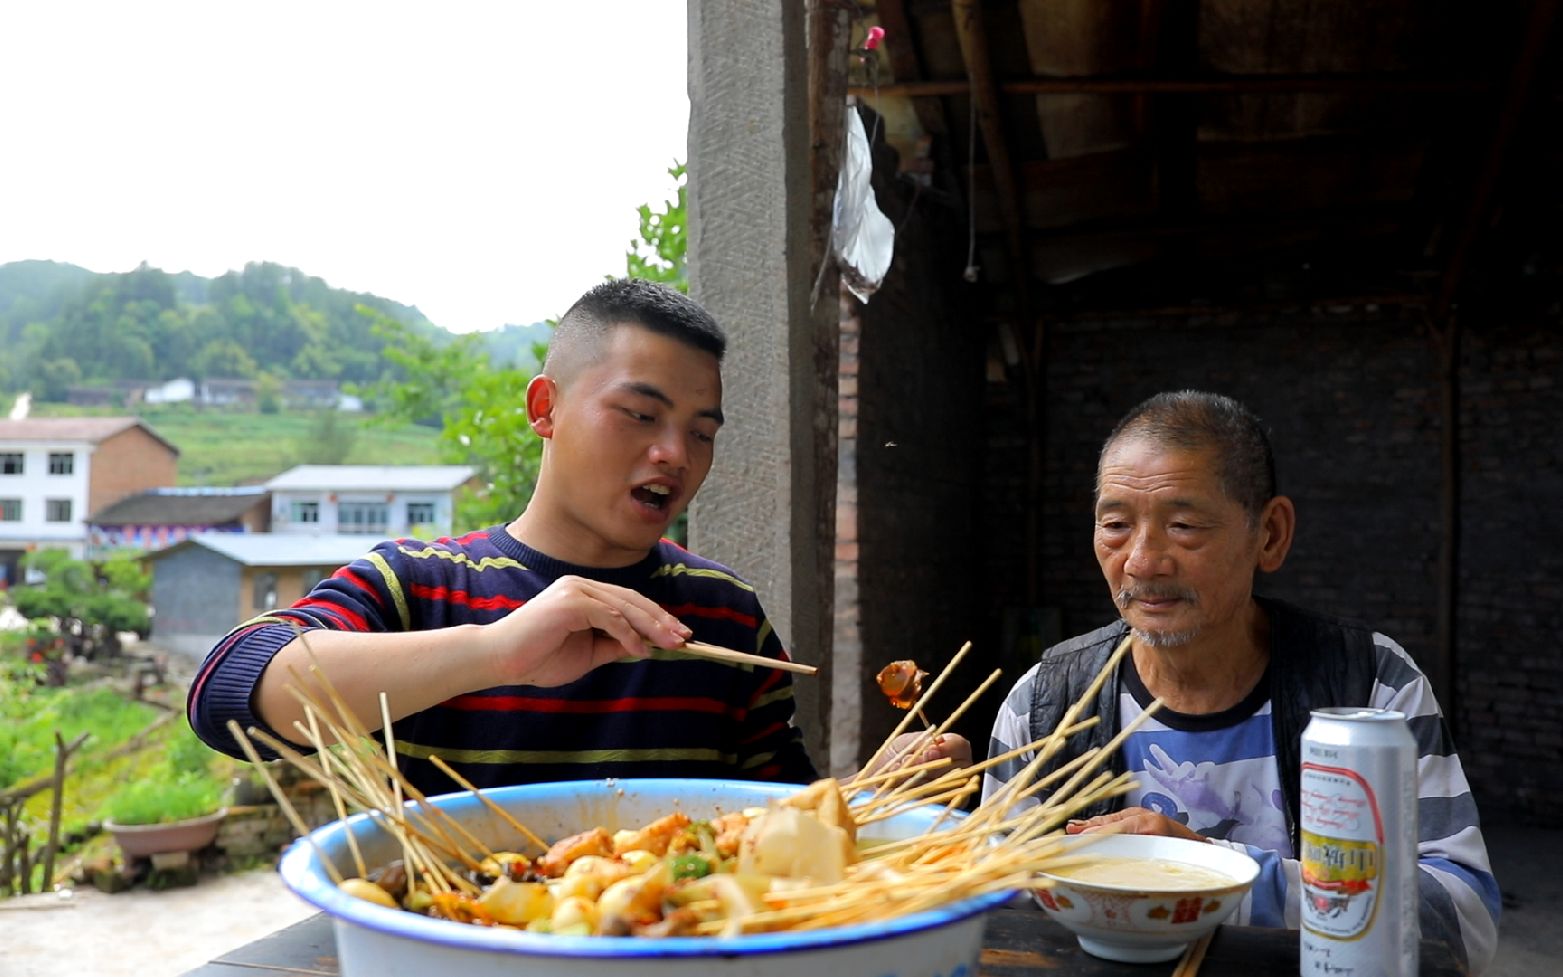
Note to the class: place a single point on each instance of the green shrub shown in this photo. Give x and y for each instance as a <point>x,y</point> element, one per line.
<point>157,800</point>
<point>30,715</point>
<point>186,753</point>
<point>182,784</point>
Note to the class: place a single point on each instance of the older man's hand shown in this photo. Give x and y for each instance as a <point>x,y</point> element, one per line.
<point>1133,821</point>
<point>911,749</point>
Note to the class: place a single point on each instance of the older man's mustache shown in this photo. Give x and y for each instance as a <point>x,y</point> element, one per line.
<point>1131,594</point>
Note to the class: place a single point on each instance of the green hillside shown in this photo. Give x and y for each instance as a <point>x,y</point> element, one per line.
<point>232,448</point>
<point>65,327</point>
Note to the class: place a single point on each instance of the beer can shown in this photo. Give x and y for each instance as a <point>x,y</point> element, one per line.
<point>1358,834</point>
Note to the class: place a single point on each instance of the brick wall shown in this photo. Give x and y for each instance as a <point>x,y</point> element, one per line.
<point>1509,688</point>
<point>918,466</point>
<point>128,462</point>
<point>848,663</point>
<point>1351,396</point>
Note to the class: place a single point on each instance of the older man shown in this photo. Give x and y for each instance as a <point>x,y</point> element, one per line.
<point>1187,513</point>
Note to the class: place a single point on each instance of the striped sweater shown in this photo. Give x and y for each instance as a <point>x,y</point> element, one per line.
<point>668,716</point>
<point>1218,775</point>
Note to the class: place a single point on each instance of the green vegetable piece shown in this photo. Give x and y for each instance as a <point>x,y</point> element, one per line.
<point>689,866</point>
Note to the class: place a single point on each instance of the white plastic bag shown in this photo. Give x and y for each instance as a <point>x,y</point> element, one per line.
<point>862,236</point>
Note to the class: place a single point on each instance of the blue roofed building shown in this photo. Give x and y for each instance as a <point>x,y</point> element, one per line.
<point>209,583</point>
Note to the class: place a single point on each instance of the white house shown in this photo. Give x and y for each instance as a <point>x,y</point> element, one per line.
<point>367,500</point>
<point>180,390</point>
<point>56,471</point>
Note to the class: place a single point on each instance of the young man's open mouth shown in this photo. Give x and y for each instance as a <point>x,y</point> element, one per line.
<point>657,497</point>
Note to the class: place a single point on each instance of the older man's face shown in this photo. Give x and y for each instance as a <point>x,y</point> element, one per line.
<point>1178,554</point>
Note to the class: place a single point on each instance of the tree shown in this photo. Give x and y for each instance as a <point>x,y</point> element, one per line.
<point>328,442</point>
<point>56,377</point>
<point>480,408</point>
<point>88,604</point>
<point>268,393</point>
<point>222,358</point>
<point>659,254</point>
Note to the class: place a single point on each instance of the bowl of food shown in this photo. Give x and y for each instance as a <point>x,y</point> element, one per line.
<point>1144,898</point>
<point>700,865</point>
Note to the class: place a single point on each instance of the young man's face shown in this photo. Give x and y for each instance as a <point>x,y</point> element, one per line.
<point>631,440</point>
<point>1179,555</point>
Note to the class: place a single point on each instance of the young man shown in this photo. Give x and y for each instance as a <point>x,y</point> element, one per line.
<point>1187,513</point>
<point>532,651</point>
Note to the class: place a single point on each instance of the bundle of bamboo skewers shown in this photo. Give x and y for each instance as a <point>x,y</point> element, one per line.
<point>1001,846</point>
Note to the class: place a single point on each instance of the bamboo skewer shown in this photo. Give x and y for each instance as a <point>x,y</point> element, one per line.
<point>366,768</point>
<point>931,736</point>
<point>396,789</point>
<point>907,719</point>
<point>700,649</point>
<point>336,797</point>
<point>952,795</point>
<point>945,863</point>
<point>282,801</point>
<point>361,790</point>
<point>488,802</point>
<point>1055,742</point>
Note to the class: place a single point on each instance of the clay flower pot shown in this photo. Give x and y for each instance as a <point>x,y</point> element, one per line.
<point>142,840</point>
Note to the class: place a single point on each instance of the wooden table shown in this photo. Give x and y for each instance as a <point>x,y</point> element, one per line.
<point>1018,943</point>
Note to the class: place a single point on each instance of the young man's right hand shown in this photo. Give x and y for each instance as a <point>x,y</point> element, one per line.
<point>572,627</point>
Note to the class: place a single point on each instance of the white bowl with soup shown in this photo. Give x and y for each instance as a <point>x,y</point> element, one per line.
<point>1144,898</point>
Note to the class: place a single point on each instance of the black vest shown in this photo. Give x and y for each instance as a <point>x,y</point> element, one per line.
<point>1315,662</point>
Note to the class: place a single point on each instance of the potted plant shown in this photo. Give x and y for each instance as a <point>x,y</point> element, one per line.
<point>154,816</point>
<point>174,807</point>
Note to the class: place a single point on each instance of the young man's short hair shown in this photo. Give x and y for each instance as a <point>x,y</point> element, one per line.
<point>634,302</point>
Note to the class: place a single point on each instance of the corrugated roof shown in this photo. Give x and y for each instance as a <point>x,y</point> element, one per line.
<point>278,549</point>
<point>159,508</point>
<point>337,478</point>
<point>89,429</point>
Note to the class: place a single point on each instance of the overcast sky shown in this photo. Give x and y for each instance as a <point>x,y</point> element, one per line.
<point>482,161</point>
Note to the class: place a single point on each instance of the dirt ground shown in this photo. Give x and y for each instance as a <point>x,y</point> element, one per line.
<point>141,933</point>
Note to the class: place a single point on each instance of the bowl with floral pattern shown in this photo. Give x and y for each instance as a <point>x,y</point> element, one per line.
<point>1144,898</point>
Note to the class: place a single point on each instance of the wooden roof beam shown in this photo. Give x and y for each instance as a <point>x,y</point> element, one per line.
<point>1172,38</point>
<point>1374,215</point>
<point>1306,84</point>
<point>1536,36</point>
<point>971,30</point>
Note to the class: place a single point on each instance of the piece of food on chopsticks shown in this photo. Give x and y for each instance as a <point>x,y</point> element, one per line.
<point>793,865</point>
<point>902,683</point>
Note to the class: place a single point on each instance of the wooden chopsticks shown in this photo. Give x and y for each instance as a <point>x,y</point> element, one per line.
<point>700,649</point>
<point>1189,965</point>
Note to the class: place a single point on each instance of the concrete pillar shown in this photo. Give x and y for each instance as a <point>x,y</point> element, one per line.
<point>767,509</point>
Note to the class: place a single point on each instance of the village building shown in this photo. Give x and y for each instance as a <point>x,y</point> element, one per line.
<point>208,583</point>
<point>160,517</point>
<point>368,500</point>
<point>55,471</point>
